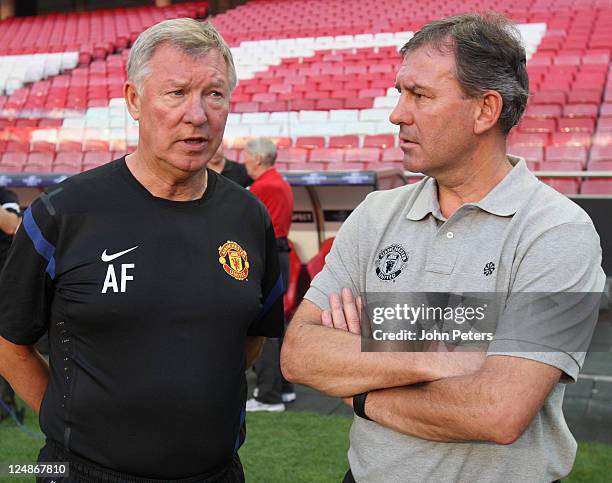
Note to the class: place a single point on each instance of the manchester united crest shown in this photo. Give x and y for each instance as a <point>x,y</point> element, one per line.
<point>390,262</point>
<point>234,260</point>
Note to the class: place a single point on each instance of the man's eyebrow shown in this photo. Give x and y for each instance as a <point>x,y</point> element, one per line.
<point>176,82</point>
<point>412,87</point>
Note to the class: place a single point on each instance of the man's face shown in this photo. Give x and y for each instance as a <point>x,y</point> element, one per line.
<point>183,109</point>
<point>250,163</point>
<point>435,118</point>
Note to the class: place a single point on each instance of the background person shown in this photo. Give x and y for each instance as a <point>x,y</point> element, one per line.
<point>272,189</point>
<point>230,169</point>
<point>479,221</point>
<point>9,221</point>
<point>157,280</point>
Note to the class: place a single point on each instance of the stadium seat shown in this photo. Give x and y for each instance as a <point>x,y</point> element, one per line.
<point>292,155</point>
<point>13,161</point>
<point>566,153</point>
<point>564,186</point>
<point>94,159</point>
<point>533,154</point>
<point>379,141</point>
<point>310,142</point>
<point>351,141</point>
<point>366,155</point>
<point>327,155</point>
<point>295,268</point>
<point>316,263</point>
<point>596,187</point>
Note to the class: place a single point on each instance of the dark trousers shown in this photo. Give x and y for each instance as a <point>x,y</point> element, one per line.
<point>82,471</point>
<point>270,382</point>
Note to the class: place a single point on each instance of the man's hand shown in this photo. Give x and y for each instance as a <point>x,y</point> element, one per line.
<point>345,313</point>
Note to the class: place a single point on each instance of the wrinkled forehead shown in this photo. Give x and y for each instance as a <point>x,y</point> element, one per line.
<point>427,65</point>
<point>169,61</point>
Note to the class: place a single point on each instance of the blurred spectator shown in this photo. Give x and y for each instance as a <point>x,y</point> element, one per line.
<point>230,169</point>
<point>9,221</point>
<point>272,189</point>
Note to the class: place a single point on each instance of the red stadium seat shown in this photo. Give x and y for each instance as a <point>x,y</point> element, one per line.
<point>292,155</point>
<point>565,186</point>
<point>306,166</point>
<point>566,153</point>
<point>39,162</point>
<point>601,153</point>
<point>295,268</point>
<point>344,141</point>
<point>538,125</point>
<point>580,110</point>
<point>567,124</point>
<point>13,161</point>
<point>543,111</point>
<point>316,263</point>
<point>346,166</point>
<point>379,141</point>
<point>534,154</point>
<point>366,155</point>
<point>96,158</point>
<point>600,165</point>
<point>571,139</point>
<point>392,155</point>
<point>327,155</point>
<point>310,142</point>
<point>561,166</point>
<point>596,187</point>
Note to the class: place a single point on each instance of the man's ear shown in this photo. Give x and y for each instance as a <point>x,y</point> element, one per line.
<point>488,110</point>
<point>132,99</point>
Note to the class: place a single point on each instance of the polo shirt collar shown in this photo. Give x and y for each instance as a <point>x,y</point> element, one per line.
<point>503,200</point>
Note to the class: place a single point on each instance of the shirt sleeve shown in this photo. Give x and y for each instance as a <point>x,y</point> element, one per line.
<point>26,282</point>
<point>342,264</point>
<point>270,320</point>
<point>552,310</point>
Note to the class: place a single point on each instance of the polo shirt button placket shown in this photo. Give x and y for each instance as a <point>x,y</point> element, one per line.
<point>450,235</point>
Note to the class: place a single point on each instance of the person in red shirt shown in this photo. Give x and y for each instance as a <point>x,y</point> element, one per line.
<point>272,189</point>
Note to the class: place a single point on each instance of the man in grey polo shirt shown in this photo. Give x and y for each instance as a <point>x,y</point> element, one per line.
<point>478,222</point>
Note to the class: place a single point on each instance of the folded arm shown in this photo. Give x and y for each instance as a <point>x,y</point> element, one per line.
<point>496,403</point>
<point>332,361</point>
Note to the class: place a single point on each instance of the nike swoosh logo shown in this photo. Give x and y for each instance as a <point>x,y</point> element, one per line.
<point>109,258</point>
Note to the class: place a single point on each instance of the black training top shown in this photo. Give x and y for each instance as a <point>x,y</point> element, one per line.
<point>8,201</point>
<point>148,303</point>
<point>237,173</point>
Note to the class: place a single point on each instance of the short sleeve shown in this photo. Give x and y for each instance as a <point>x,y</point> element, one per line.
<point>341,264</point>
<point>551,312</point>
<point>270,320</point>
<point>27,280</point>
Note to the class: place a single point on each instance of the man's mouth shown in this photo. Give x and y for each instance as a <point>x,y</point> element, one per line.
<point>195,140</point>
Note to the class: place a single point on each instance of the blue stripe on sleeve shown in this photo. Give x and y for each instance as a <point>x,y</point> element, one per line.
<point>41,245</point>
<point>242,418</point>
<point>276,292</point>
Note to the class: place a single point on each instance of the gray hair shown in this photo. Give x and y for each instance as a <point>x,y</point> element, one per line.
<point>192,37</point>
<point>489,55</point>
<point>263,147</point>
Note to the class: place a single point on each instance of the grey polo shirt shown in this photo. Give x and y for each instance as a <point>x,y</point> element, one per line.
<point>523,236</point>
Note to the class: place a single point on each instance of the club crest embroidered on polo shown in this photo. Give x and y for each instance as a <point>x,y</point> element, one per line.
<point>390,262</point>
<point>234,259</point>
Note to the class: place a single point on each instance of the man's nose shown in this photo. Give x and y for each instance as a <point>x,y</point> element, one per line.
<point>196,111</point>
<point>401,113</point>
